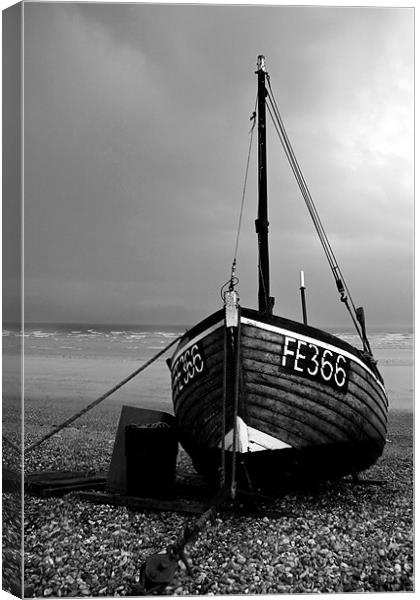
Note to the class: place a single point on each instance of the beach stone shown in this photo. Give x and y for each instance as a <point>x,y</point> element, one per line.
<point>369,542</point>
<point>85,591</point>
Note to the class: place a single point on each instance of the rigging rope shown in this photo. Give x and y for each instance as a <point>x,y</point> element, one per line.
<point>251,134</point>
<point>332,261</point>
<point>233,281</point>
<point>101,398</point>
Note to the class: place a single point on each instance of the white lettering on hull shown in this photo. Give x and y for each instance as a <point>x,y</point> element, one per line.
<point>196,339</point>
<point>309,340</point>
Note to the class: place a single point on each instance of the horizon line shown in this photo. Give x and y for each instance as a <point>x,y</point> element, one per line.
<point>15,324</point>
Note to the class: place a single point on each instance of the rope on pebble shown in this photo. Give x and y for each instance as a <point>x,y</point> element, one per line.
<point>101,398</point>
<point>158,569</point>
<point>11,444</point>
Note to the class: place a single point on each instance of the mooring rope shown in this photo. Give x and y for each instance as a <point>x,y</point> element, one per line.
<point>101,398</point>
<point>11,444</point>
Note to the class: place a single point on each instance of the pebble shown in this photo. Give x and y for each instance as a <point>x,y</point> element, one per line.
<point>345,537</point>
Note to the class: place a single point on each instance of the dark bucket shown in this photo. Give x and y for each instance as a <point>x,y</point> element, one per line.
<point>151,451</point>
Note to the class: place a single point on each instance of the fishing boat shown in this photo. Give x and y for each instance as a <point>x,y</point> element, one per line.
<point>263,399</point>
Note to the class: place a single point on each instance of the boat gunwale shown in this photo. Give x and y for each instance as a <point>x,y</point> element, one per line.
<point>211,324</point>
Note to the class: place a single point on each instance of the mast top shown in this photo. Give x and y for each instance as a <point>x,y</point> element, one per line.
<point>261,63</point>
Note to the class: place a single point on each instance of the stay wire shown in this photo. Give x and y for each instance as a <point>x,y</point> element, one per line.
<point>253,118</point>
<point>307,196</point>
<point>281,131</point>
<point>299,174</point>
<point>316,220</point>
<point>233,279</point>
<point>302,188</point>
<point>300,180</point>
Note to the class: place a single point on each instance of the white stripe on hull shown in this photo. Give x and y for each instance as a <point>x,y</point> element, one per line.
<point>280,331</point>
<point>196,339</point>
<point>310,340</point>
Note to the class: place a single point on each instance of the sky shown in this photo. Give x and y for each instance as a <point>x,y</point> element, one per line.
<point>136,133</point>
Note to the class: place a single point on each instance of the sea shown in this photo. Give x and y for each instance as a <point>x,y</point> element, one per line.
<point>74,357</point>
<point>93,341</point>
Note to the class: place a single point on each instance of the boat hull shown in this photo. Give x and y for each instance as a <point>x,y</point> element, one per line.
<point>273,470</point>
<point>295,401</point>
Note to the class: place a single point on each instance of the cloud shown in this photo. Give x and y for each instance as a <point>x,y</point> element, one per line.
<point>136,134</point>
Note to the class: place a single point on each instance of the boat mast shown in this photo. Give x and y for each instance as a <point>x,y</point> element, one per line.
<point>265,301</point>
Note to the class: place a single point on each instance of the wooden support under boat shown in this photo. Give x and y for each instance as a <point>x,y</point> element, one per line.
<point>137,503</point>
<point>58,483</point>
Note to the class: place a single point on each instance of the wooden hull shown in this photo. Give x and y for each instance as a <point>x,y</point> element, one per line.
<point>309,405</point>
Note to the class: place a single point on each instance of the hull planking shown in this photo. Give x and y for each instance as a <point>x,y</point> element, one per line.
<point>309,405</point>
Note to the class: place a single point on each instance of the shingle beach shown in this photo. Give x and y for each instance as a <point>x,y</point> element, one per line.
<point>336,537</point>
